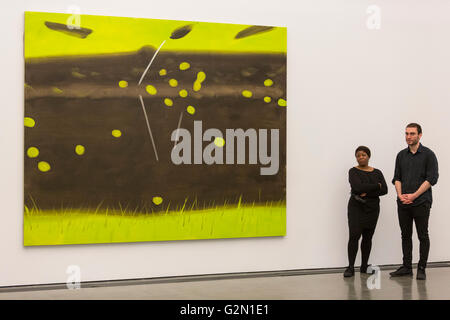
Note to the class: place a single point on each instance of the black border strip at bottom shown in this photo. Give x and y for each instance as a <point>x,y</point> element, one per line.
<point>222,309</point>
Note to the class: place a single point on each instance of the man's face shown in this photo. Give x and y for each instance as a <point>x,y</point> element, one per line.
<point>412,136</point>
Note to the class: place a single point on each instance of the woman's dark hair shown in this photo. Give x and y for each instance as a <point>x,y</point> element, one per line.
<point>364,149</point>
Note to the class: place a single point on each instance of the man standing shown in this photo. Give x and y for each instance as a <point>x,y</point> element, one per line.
<point>416,170</point>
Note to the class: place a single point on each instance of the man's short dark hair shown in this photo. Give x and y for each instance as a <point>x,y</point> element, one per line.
<point>364,149</point>
<point>415,125</point>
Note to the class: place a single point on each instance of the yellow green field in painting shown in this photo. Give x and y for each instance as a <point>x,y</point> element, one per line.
<point>120,34</point>
<point>76,227</point>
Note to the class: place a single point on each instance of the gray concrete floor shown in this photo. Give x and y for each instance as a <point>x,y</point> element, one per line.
<point>300,287</point>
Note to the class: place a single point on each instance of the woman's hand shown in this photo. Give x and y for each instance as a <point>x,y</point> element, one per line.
<point>363,194</point>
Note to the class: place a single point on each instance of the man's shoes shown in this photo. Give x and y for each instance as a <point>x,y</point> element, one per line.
<point>421,275</point>
<point>349,272</point>
<point>401,272</point>
<point>364,268</point>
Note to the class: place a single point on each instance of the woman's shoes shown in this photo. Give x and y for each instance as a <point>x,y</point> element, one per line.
<point>364,268</point>
<point>349,272</point>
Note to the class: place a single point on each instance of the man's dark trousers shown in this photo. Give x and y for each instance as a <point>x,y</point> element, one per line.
<point>420,215</point>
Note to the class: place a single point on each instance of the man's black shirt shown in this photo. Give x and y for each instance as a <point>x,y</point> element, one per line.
<point>413,169</point>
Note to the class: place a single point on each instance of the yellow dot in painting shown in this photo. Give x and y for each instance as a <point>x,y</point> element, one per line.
<point>79,149</point>
<point>218,141</point>
<point>78,75</point>
<point>168,102</point>
<point>162,72</point>
<point>197,86</point>
<point>123,84</point>
<point>247,93</point>
<point>29,122</point>
<point>268,82</point>
<point>201,76</point>
<point>116,133</point>
<point>57,90</point>
<point>32,152</point>
<point>267,99</point>
<point>282,102</point>
<point>173,83</point>
<point>151,89</point>
<point>190,109</point>
<point>183,93</point>
<point>43,166</point>
<point>184,65</point>
<point>157,200</point>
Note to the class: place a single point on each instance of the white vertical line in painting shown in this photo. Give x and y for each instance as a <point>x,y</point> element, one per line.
<point>148,126</point>
<point>178,129</point>
<point>151,61</point>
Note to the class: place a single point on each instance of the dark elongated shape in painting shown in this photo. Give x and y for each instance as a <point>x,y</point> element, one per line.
<point>80,33</point>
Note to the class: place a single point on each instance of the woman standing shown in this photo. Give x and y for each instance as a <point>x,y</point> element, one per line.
<point>367,185</point>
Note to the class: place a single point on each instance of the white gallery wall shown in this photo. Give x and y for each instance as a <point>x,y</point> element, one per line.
<point>348,85</point>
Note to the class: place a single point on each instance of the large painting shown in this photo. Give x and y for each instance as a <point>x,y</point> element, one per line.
<point>152,130</point>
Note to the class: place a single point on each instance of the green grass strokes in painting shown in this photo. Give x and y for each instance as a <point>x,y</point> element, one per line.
<point>73,226</point>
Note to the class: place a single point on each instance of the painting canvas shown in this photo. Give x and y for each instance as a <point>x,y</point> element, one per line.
<point>152,130</point>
